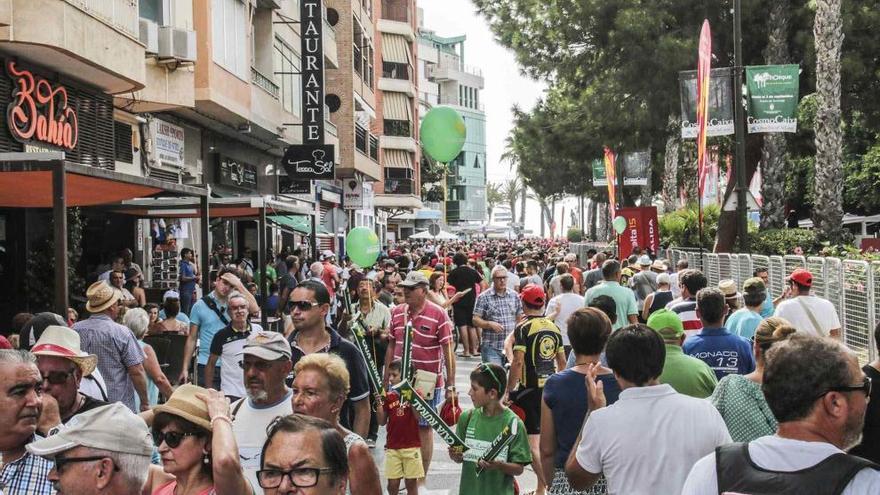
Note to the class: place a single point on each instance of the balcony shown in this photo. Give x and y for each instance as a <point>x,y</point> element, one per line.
<point>398,143</point>
<point>331,53</point>
<point>396,18</point>
<point>469,76</point>
<point>397,86</point>
<point>399,186</point>
<point>460,102</point>
<point>263,82</point>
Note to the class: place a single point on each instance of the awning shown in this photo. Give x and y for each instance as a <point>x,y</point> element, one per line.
<point>395,49</point>
<point>398,159</point>
<point>396,106</point>
<point>239,207</point>
<point>299,223</point>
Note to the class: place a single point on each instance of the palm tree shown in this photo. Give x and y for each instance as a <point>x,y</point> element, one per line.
<point>510,191</point>
<point>773,153</point>
<point>493,197</point>
<point>670,170</point>
<point>828,34</point>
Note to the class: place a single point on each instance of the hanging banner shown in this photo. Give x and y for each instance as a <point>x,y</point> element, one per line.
<point>352,194</point>
<point>642,230</point>
<point>704,62</point>
<point>611,174</point>
<point>720,103</point>
<point>599,178</point>
<point>430,416</point>
<point>772,98</point>
<point>636,167</point>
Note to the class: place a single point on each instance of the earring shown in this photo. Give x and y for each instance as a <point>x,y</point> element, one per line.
<point>206,459</point>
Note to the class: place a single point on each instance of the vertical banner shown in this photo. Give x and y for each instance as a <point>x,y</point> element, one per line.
<point>642,230</point>
<point>703,72</point>
<point>611,175</point>
<point>636,167</point>
<point>720,103</point>
<point>599,178</point>
<point>772,98</point>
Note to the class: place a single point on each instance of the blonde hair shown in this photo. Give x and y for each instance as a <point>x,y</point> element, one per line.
<point>332,367</point>
<point>772,330</point>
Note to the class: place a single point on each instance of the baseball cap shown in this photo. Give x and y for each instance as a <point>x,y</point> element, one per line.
<point>533,294</point>
<point>112,427</point>
<point>413,279</point>
<point>267,345</point>
<point>170,294</point>
<point>666,323</point>
<point>803,277</point>
<point>327,254</point>
<point>645,260</point>
<point>754,284</point>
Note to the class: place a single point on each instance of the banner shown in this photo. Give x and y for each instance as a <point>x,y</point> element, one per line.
<point>352,194</point>
<point>772,98</point>
<point>720,103</point>
<point>358,331</point>
<point>642,230</point>
<point>636,167</point>
<point>599,178</point>
<point>499,444</point>
<point>430,416</point>
<point>704,63</point>
<point>611,174</point>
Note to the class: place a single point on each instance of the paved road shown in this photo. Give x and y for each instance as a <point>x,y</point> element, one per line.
<point>443,476</point>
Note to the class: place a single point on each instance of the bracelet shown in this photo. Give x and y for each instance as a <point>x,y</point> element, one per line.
<point>220,418</point>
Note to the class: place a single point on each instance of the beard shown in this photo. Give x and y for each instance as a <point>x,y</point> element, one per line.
<point>852,433</point>
<point>257,396</point>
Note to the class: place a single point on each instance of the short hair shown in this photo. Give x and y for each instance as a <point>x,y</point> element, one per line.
<point>754,297</point>
<point>185,251</point>
<point>800,368</point>
<point>605,304</point>
<point>133,468</point>
<point>610,269</point>
<point>567,282</point>
<point>632,259</point>
<point>459,259</point>
<point>693,280</point>
<point>18,323</point>
<point>490,376</point>
<point>499,269</point>
<point>711,303</point>
<point>682,264</point>
<point>17,356</point>
<point>335,453</point>
<point>322,296</point>
<point>760,270</point>
<point>235,271</point>
<point>395,365</point>
<point>137,320</point>
<point>171,307</point>
<point>770,331</point>
<point>290,262</point>
<point>316,269</point>
<point>588,331</point>
<point>235,295</point>
<point>332,367</point>
<point>562,267</point>
<point>803,289</point>
<point>636,353</point>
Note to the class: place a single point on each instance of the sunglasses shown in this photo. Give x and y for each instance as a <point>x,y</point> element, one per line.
<point>62,462</point>
<point>301,305</point>
<point>864,387</point>
<point>261,365</point>
<point>57,377</point>
<point>172,438</point>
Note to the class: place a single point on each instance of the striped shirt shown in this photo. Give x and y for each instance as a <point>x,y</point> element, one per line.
<point>29,474</point>
<point>432,332</point>
<point>503,309</point>
<point>687,311</point>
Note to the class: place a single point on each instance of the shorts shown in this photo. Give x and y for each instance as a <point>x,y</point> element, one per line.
<point>439,394</point>
<point>463,316</point>
<point>530,401</point>
<point>490,354</point>
<point>404,463</point>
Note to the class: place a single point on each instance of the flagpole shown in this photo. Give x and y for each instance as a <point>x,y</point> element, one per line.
<point>739,120</point>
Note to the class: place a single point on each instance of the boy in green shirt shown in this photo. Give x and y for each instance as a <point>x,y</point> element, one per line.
<point>483,424</point>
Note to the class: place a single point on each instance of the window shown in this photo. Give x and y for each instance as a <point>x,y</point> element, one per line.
<point>230,28</point>
<point>122,142</point>
<point>286,69</point>
<point>476,161</point>
<point>394,70</point>
<point>399,128</point>
<point>158,11</point>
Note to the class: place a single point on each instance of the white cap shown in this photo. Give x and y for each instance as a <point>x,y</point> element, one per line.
<point>169,294</point>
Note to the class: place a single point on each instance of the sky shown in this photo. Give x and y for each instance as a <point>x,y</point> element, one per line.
<point>505,85</point>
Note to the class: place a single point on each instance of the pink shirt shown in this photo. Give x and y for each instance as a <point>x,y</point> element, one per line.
<point>168,489</point>
<point>432,335</point>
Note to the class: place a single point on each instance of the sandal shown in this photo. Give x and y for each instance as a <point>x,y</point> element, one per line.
<point>463,355</point>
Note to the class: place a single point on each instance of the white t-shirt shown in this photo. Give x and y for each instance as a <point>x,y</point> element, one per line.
<point>249,428</point>
<point>568,303</point>
<point>673,284</point>
<point>779,454</point>
<point>647,441</point>
<point>822,309</point>
<point>513,281</point>
<point>94,386</point>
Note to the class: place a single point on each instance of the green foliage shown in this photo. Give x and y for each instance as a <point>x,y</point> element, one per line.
<point>862,181</point>
<point>682,227</point>
<point>783,241</point>
<point>575,235</point>
<point>431,173</point>
<point>41,265</point>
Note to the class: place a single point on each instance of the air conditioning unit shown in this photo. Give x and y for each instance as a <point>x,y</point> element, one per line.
<point>149,35</point>
<point>177,44</point>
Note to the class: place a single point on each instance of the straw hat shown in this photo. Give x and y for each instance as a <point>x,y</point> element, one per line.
<point>728,287</point>
<point>183,403</point>
<point>101,296</point>
<point>63,342</point>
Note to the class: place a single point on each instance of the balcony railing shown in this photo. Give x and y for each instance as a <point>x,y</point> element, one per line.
<point>401,186</point>
<point>393,70</point>
<point>374,148</point>
<point>398,128</point>
<point>396,10</point>
<point>366,143</point>
<point>121,14</point>
<point>264,82</point>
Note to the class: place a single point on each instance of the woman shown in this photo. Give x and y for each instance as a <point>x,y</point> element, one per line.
<point>152,310</point>
<point>319,390</point>
<point>137,320</point>
<point>659,298</point>
<point>437,291</point>
<point>133,282</point>
<point>739,398</point>
<point>565,397</point>
<point>170,324</point>
<point>193,433</point>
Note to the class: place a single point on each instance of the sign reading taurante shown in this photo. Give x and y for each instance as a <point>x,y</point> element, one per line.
<point>39,111</point>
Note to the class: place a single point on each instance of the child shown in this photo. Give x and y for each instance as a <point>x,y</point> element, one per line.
<point>478,427</point>
<point>403,455</point>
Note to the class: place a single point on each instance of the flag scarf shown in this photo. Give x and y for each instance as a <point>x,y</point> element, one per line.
<point>704,66</point>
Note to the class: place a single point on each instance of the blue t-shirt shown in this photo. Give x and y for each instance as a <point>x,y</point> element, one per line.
<point>744,322</point>
<point>180,316</point>
<point>209,324</point>
<point>186,270</point>
<point>566,395</point>
<point>725,353</point>
<point>767,308</point>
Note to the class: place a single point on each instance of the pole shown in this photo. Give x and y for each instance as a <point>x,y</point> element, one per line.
<point>261,267</point>
<point>206,242</point>
<point>59,212</point>
<point>739,119</point>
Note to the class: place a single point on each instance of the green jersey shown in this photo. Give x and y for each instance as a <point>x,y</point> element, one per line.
<point>478,432</point>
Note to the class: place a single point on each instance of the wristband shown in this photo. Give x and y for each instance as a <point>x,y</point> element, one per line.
<point>220,418</point>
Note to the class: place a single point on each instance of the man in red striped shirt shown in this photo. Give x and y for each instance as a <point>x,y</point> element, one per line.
<point>690,281</point>
<point>431,346</point>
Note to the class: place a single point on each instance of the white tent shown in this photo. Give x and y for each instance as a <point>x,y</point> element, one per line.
<point>443,236</point>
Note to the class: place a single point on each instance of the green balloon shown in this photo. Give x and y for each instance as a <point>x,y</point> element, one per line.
<point>362,246</point>
<point>443,133</point>
<point>619,224</point>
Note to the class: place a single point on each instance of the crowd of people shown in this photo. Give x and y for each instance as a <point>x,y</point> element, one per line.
<point>600,375</point>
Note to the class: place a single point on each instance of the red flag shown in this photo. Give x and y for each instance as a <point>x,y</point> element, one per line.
<point>704,68</point>
<point>611,175</point>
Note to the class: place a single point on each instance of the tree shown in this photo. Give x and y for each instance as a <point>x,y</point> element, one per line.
<point>493,197</point>
<point>510,191</point>
<point>431,173</point>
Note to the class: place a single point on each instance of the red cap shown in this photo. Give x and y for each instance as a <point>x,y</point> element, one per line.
<point>533,294</point>
<point>802,277</point>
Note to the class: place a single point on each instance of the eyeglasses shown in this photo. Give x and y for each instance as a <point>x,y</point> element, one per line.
<point>240,306</point>
<point>261,365</point>
<point>864,387</point>
<point>299,477</point>
<point>62,462</point>
<point>57,377</point>
<point>500,278</point>
<point>172,438</point>
<point>301,305</point>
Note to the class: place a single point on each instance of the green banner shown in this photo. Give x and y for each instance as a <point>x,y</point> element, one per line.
<point>406,367</point>
<point>772,98</point>
<point>599,177</point>
<point>357,332</point>
<point>430,416</point>
<point>497,446</point>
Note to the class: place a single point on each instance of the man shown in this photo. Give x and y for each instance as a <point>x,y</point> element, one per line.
<point>554,289</point>
<point>226,347</point>
<point>21,404</point>
<point>770,303</point>
<point>288,280</point>
<point>117,264</point>
<point>744,321</point>
<point>106,451</point>
<point>674,283</point>
<point>627,311</point>
<point>62,365</point>
<point>594,277</point>
<point>265,362</point>
<point>690,282</point>
<point>645,442</point>
<point>329,275</point>
<point>628,269</point>
<point>809,314</point>
<point>575,271</point>
<point>465,278</point>
<point>562,306</point>
<point>209,315</point>
<point>819,395</point>
<point>188,280</point>
<point>537,354</point>
<point>532,276</point>
<point>128,261</point>
<point>117,280</point>
<point>120,357</point>
<point>496,311</point>
<point>512,278</point>
<point>644,282</point>
<point>310,303</point>
<point>431,346</point>
<point>724,352</point>
<point>35,326</point>
<point>687,375</point>
<point>376,318</point>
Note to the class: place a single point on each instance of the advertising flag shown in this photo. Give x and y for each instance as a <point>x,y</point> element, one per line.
<point>599,179</point>
<point>611,174</point>
<point>703,72</point>
<point>636,167</point>
<point>720,103</point>
<point>773,98</point>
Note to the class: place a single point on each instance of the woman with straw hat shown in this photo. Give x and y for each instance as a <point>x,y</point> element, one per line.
<point>193,432</point>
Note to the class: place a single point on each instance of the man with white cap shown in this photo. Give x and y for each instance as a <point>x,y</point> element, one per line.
<point>62,365</point>
<point>105,450</point>
<point>181,316</point>
<point>644,282</point>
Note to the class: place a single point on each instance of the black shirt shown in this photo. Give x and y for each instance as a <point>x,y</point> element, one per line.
<point>464,278</point>
<point>87,405</point>
<point>870,446</point>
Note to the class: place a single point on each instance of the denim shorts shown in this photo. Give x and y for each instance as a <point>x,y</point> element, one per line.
<point>490,354</point>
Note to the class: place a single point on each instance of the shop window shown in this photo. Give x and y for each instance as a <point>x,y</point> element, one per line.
<point>230,28</point>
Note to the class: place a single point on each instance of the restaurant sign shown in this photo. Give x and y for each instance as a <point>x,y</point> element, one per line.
<point>236,173</point>
<point>39,112</point>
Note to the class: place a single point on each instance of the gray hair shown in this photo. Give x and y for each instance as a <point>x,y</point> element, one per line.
<point>499,269</point>
<point>137,320</point>
<point>15,356</point>
<point>316,269</point>
<point>134,468</point>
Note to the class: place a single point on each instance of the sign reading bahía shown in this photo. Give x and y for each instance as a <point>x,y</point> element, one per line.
<point>40,112</point>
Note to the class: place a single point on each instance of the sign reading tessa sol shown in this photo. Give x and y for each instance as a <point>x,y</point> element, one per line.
<point>40,111</point>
